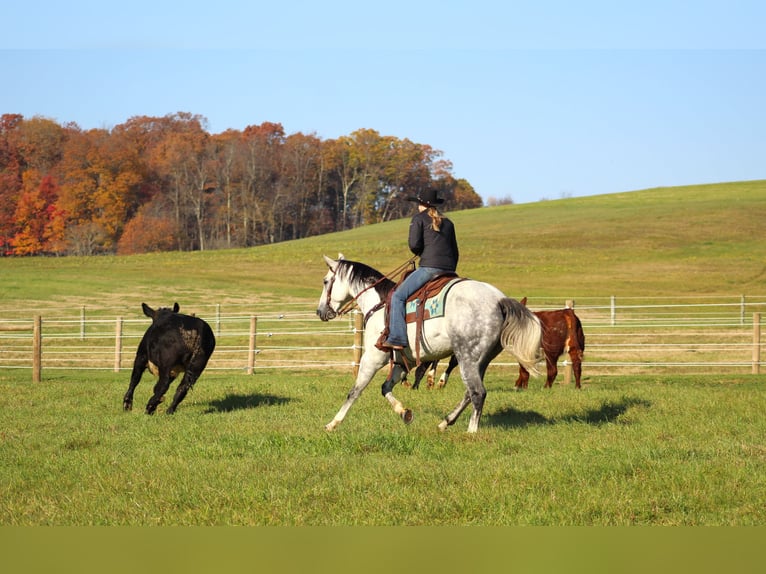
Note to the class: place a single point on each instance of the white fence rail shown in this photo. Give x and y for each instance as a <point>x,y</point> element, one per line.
<point>623,336</point>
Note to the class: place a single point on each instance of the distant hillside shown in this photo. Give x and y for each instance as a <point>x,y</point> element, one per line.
<point>702,239</point>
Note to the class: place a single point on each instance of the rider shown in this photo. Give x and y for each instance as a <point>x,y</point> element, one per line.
<point>432,237</point>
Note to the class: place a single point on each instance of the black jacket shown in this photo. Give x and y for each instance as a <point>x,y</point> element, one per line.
<point>436,249</point>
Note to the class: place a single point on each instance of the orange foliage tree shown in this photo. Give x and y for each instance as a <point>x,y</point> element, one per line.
<point>39,221</point>
<point>159,183</point>
<point>147,232</point>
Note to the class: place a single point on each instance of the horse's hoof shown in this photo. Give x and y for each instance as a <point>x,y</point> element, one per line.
<point>407,416</point>
<point>443,425</point>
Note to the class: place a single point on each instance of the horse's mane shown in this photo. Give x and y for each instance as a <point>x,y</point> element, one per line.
<point>366,275</point>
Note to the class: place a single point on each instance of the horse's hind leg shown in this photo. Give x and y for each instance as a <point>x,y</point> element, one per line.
<point>450,419</point>
<point>475,394</point>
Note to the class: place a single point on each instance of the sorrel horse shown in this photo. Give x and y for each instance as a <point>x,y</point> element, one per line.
<point>479,322</point>
<point>562,333</point>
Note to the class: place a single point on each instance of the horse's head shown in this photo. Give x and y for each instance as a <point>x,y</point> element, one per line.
<point>334,290</point>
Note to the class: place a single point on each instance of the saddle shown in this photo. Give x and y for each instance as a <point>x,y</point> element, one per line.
<point>425,303</point>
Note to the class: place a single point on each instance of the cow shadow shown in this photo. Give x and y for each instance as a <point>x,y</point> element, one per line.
<point>608,412</point>
<point>234,402</point>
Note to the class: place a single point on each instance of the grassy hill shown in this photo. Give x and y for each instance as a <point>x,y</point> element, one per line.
<point>701,239</point>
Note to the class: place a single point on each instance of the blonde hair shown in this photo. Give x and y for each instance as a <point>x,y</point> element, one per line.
<point>436,218</point>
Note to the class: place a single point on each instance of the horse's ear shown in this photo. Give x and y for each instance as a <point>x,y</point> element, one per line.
<point>175,307</point>
<point>340,256</point>
<point>524,301</point>
<point>331,263</point>
<point>148,311</point>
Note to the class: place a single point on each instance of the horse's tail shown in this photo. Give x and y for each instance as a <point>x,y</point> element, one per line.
<point>521,334</point>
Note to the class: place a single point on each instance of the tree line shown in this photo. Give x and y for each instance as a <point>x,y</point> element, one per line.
<point>165,183</point>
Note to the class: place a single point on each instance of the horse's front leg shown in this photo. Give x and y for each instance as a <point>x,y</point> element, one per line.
<point>397,374</point>
<point>367,369</point>
<point>445,375</point>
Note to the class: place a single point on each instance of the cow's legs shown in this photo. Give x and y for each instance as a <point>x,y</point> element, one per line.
<point>160,388</point>
<point>138,369</point>
<point>553,370</point>
<point>183,387</point>
<point>196,365</point>
<point>576,357</point>
<point>523,381</point>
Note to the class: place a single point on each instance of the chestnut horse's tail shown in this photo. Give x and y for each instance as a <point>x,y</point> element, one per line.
<point>522,334</point>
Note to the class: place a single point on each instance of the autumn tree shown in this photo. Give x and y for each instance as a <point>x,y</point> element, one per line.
<point>158,183</point>
<point>260,164</point>
<point>150,230</point>
<point>464,196</point>
<point>40,223</point>
<point>225,174</point>
<point>302,180</point>
<point>184,161</point>
<point>11,171</point>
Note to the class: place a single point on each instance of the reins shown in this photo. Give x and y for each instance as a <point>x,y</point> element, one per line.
<point>346,307</point>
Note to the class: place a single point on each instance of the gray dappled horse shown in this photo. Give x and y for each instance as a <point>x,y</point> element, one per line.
<point>478,323</point>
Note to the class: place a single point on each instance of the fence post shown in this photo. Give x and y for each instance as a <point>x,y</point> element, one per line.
<point>82,323</point>
<point>756,343</point>
<point>251,347</point>
<point>613,313</point>
<point>37,349</point>
<point>218,319</point>
<point>567,364</point>
<point>358,340</point>
<point>118,345</point>
<point>742,310</point>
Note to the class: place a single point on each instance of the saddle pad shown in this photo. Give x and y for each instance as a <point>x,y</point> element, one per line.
<point>434,306</point>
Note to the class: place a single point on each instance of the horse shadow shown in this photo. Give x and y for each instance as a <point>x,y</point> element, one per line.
<point>235,402</point>
<point>608,412</point>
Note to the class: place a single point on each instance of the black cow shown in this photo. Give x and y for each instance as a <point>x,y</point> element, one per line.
<point>173,343</point>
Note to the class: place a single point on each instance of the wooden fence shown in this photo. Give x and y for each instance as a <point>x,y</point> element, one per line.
<point>691,335</point>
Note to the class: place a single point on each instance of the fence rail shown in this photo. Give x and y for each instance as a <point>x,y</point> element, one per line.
<point>700,334</point>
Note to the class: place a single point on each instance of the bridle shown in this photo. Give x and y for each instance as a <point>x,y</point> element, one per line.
<point>348,305</point>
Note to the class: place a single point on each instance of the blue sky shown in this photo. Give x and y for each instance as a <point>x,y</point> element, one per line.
<point>529,100</point>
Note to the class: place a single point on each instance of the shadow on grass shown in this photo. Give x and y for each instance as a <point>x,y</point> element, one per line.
<point>236,402</point>
<point>608,412</point>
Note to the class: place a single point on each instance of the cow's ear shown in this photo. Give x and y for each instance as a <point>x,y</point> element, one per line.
<point>148,311</point>
<point>175,307</point>
<point>331,263</point>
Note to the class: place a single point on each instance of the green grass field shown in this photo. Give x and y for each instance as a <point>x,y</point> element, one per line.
<point>251,450</point>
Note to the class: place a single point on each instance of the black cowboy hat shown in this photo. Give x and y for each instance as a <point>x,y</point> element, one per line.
<point>427,197</point>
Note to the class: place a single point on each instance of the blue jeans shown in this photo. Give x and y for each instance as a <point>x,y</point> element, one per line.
<point>397,325</point>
